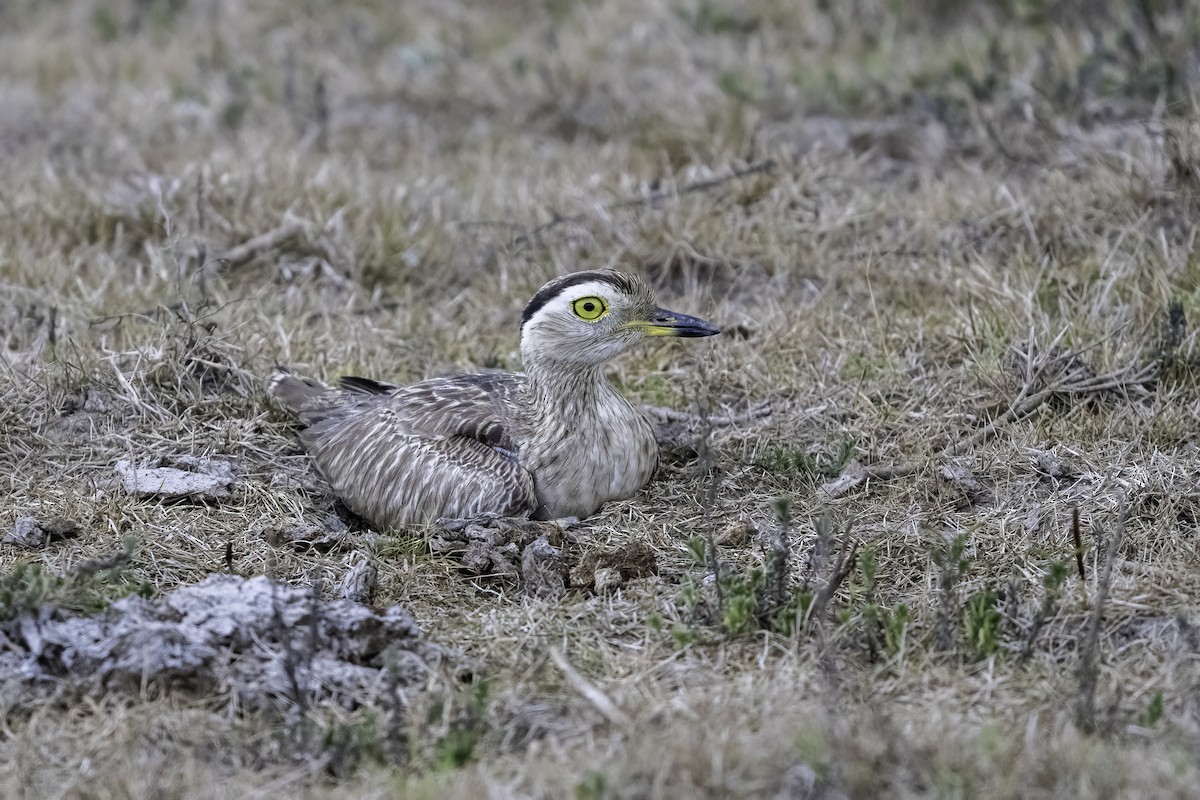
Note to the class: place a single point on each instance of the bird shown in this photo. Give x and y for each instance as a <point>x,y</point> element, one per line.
<point>555,441</point>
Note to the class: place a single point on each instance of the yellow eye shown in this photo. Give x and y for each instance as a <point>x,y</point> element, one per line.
<point>589,309</point>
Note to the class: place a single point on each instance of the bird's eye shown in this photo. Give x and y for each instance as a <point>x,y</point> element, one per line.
<point>589,309</point>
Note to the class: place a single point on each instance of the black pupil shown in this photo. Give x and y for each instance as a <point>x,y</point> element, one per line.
<point>589,307</point>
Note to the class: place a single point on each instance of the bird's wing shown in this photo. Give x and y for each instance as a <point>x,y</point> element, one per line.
<point>477,406</point>
<point>396,478</point>
<point>439,448</point>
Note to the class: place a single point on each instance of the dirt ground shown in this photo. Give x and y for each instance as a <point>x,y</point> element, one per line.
<point>926,522</point>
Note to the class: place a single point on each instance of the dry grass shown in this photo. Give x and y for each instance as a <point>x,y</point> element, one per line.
<point>970,208</point>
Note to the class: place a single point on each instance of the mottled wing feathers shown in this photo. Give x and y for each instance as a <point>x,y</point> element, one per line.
<point>474,406</point>
<point>393,477</point>
<point>408,455</point>
<point>352,383</point>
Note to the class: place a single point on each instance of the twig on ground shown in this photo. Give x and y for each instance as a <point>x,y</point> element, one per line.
<point>713,555</point>
<point>815,616</point>
<point>847,559</point>
<point>1053,583</point>
<point>778,567</point>
<point>952,567</point>
<point>588,691</point>
<point>650,199</point>
<point>1078,537</point>
<point>1018,411</point>
<point>671,415</point>
<point>289,229</point>
<point>850,481</point>
<point>1025,405</point>
<point>1045,611</point>
<point>1089,668</point>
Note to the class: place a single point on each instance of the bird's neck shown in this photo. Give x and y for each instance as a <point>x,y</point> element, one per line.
<point>565,393</point>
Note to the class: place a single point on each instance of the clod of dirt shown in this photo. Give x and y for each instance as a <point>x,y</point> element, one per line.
<point>189,477</point>
<point>332,534</point>
<point>358,584</point>
<point>739,534</point>
<point>27,532</point>
<point>1050,464</point>
<point>60,528</point>
<point>976,493</point>
<point>607,580</point>
<point>631,561</point>
<point>543,569</point>
<point>252,641</point>
<point>110,560</point>
<point>676,444</point>
<point>496,548</point>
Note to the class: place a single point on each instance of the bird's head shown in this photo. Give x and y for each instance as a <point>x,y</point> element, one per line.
<point>588,318</point>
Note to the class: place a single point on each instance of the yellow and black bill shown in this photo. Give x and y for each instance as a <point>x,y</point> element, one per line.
<point>671,323</point>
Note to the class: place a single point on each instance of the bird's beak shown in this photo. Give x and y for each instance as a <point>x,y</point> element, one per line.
<point>671,323</point>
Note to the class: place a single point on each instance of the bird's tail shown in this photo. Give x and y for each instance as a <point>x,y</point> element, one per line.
<point>293,392</point>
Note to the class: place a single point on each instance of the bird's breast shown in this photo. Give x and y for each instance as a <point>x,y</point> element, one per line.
<point>580,464</point>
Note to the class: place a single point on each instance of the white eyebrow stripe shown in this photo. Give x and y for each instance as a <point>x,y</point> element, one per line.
<point>562,301</point>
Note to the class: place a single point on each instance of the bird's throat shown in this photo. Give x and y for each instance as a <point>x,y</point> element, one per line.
<point>564,397</point>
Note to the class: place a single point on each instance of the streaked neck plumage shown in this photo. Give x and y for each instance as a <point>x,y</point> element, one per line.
<point>557,394</point>
<point>582,440</point>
